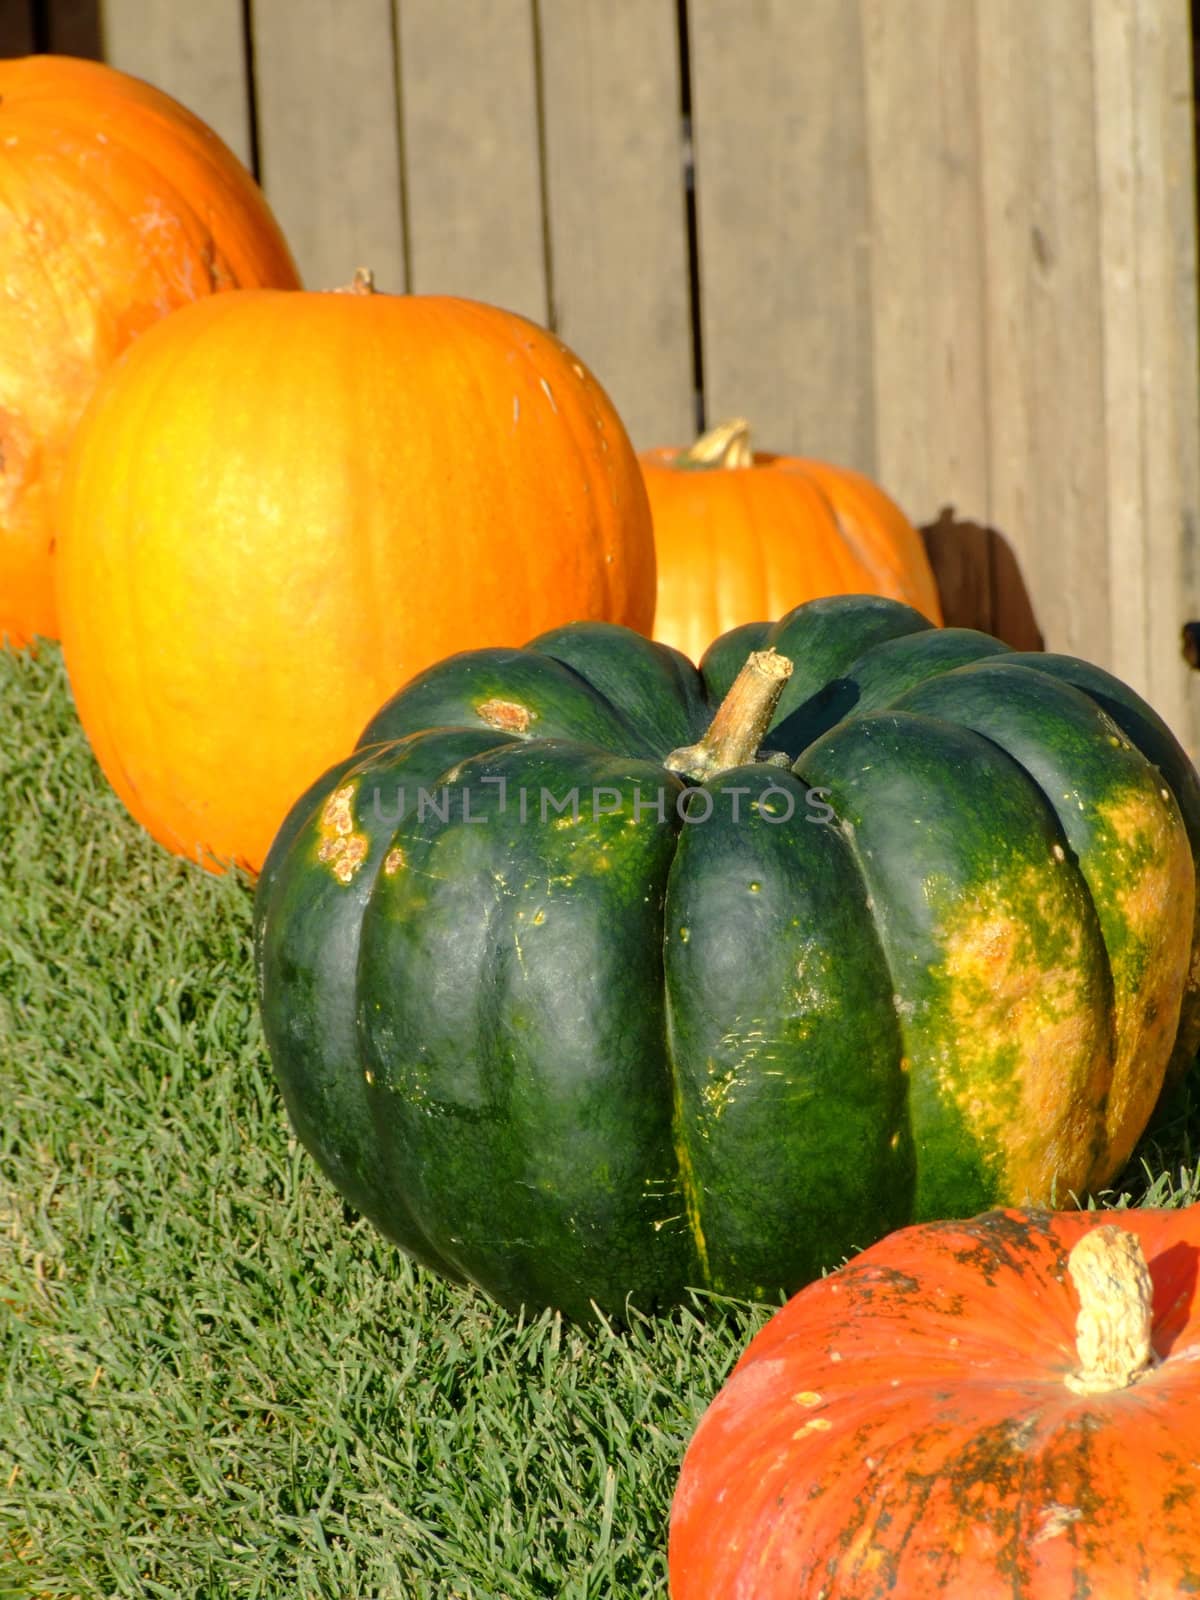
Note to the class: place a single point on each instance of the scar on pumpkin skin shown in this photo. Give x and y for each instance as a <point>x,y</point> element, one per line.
<point>341,846</point>
<point>690,1190</point>
<point>505,715</point>
<point>392,862</point>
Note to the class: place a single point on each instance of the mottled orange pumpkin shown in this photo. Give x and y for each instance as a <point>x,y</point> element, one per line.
<point>116,207</point>
<point>742,535</point>
<point>1008,1406</point>
<point>279,507</point>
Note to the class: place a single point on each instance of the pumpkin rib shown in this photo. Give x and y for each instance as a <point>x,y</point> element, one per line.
<point>814,511</point>
<point>1084,843</point>
<point>810,517</point>
<point>902,554</point>
<point>578,428</point>
<point>1147,731</point>
<point>566,1053</point>
<point>143,676</point>
<point>1070,862</point>
<point>312,827</point>
<point>690,1192</point>
<point>102,740</point>
<point>760,585</point>
<point>610,661</point>
<point>975,938</point>
<point>526,579</point>
<point>585,464</point>
<point>850,554</point>
<point>530,376</point>
<point>760,1084</point>
<point>471,370</point>
<point>363,621</point>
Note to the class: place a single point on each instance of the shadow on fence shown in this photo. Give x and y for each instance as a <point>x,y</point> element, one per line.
<point>980,580</point>
<point>55,27</point>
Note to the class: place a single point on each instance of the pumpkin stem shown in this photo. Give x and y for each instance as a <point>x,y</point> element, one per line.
<point>736,730</point>
<point>1112,1331</point>
<point>726,445</point>
<point>363,282</point>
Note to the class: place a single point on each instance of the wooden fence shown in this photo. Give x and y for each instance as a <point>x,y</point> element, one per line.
<point>949,242</point>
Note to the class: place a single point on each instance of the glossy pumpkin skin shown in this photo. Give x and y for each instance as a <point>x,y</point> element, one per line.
<point>738,543</point>
<point>903,1428</point>
<point>282,505</point>
<point>574,1060</point>
<point>118,206</point>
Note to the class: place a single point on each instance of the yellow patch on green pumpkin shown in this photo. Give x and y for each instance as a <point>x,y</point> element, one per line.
<point>342,848</point>
<point>1026,1059</point>
<point>690,1190</point>
<point>719,1091</point>
<point>507,716</point>
<point>1153,894</point>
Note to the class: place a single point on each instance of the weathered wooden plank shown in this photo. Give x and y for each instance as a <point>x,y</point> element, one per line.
<point>1044,313</point>
<point>1120,187</point>
<point>194,52</point>
<point>779,128</point>
<point>16,27</point>
<point>1145,49</point>
<point>1181,121</point>
<point>927,272</point>
<point>325,92</point>
<point>616,205</point>
<point>472,167</point>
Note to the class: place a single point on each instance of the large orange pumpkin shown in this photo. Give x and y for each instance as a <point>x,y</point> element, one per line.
<point>742,535</point>
<point>116,207</point>
<point>279,507</point>
<point>1008,1406</point>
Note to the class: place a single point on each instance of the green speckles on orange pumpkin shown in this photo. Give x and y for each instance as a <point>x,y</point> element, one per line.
<point>958,1458</point>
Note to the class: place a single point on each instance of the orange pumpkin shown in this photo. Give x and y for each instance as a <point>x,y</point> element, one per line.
<point>742,535</point>
<point>117,207</point>
<point>1008,1406</point>
<point>279,507</point>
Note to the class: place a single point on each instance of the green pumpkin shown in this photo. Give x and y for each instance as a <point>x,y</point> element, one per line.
<point>573,1025</point>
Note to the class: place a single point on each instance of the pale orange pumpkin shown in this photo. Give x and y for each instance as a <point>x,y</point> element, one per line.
<point>279,507</point>
<point>742,535</point>
<point>116,207</point>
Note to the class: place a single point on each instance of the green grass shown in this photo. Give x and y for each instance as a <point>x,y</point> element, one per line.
<point>217,1383</point>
